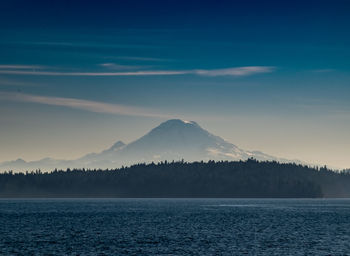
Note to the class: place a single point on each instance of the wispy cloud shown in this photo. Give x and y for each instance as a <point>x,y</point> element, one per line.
<point>236,71</point>
<point>87,105</point>
<point>116,66</point>
<point>102,107</point>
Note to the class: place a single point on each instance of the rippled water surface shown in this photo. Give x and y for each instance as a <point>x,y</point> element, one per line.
<point>174,227</point>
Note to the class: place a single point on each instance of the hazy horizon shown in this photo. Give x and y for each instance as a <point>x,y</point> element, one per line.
<point>75,77</point>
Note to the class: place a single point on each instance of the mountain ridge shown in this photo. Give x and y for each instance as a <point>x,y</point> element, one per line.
<point>173,139</point>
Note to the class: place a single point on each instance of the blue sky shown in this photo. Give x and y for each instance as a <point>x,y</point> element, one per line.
<point>266,75</point>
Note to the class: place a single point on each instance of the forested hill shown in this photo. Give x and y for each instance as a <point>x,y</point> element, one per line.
<point>249,178</point>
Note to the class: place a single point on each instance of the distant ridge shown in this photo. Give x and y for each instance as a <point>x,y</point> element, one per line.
<point>174,139</point>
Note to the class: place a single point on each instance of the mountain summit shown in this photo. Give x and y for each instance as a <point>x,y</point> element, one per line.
<point>173,135</point>
<point>174,139</point>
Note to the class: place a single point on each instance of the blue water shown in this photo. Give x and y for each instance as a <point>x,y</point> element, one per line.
<point>174,227</point>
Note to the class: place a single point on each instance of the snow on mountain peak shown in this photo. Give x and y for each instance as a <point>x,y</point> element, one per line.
<point>176,123</point>
<point>173,139</point>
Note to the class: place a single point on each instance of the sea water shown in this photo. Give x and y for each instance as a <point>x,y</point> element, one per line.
<point>174,227</point>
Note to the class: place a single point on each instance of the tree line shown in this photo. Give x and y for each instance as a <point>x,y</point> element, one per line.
<point>244,179</point>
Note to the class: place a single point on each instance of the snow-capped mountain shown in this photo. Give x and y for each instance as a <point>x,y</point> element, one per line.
<point>172,140</point>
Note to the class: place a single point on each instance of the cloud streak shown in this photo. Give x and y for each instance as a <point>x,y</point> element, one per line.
<point>116,66</point>
<point>87,105</point>
<point>236,71</point>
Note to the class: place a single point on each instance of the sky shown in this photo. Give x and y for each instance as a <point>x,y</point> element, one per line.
<point>274,76</point>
